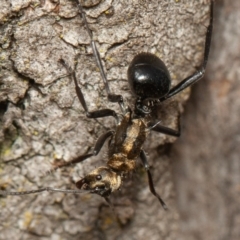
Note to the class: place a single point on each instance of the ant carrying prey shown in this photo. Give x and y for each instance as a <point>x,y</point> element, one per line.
<point>150,82</point>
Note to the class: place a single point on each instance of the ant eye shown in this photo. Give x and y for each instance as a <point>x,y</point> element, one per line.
<point>98,177</point>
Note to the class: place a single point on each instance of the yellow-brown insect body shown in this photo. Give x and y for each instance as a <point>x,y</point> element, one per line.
<point>124,148</point>
<point>126,144</point>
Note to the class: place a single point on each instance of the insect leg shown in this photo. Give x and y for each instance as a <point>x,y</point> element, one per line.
<point>200,73</point>
<point>165,130</point>
<point>111,97</point>
<point>98,146</point>
<point>47,189</point>
<point>143,158</point>
<point>94,114</point>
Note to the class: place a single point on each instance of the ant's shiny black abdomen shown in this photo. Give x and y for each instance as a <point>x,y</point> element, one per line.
<point>148,77</point>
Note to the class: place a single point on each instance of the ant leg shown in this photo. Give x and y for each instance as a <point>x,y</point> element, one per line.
<point>143,158</point>
<point>200,73</point>
<point>98,146</point>
<point>111,97</point>
<point>165,130</point>
<point>95,114</point>
<point>47,189</point>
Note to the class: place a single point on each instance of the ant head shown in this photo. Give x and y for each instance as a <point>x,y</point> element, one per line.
<point>102,181</point>
<point>148,77</point>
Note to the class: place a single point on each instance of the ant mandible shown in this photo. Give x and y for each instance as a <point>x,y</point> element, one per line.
<point>150,82</point>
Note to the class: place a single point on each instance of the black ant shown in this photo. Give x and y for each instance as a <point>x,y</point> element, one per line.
<point>150,82</point>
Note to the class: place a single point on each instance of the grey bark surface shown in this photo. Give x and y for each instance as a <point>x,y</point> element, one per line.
<point>42,120</point>
<point>206,163</point>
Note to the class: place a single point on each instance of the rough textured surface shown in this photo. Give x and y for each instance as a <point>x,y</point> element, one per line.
<point>42,120</point>
<point>206,165</point>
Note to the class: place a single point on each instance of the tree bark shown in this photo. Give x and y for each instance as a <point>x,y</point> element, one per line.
<point>206,163</point>
<point>42,120</point>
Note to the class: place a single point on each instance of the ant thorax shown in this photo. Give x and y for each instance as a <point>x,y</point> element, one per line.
<point>126,144</point>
